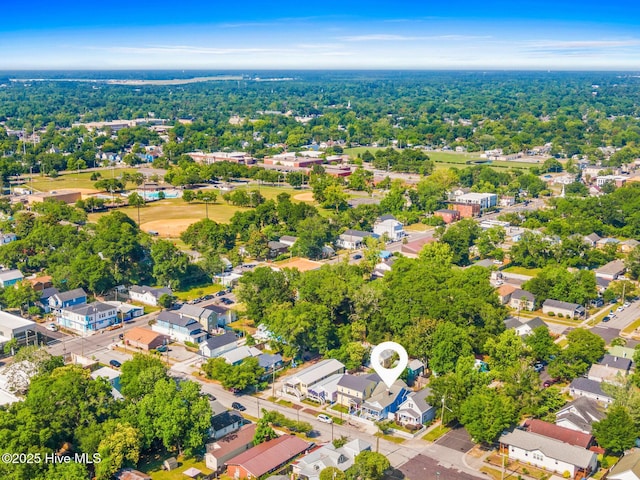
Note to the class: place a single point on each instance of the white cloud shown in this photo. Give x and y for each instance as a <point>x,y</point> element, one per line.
<point>386,37</point>
<point>187,49</point>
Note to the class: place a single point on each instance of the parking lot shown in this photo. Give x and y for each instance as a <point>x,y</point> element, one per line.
<point>457,439</point>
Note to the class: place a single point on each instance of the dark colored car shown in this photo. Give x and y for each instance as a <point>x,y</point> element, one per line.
<point>606,319</point>
<point>115,363</point>
<point>357,256</point>
<point>121,336</point>
<point>548,383</point>
<point>238,406</point>
<point>221,293</point>
<point>162,348</point>
<point>226,301</point>
<point>538,367</point>
<point>210,396</point>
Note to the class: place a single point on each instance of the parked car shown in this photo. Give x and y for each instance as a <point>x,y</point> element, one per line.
<point>538,366</point>
<point>620,308</point>
<point>210,396</point>
<point>226,301</point>
<point>606,319</point>
<point>52,327</point>
<point>551,381</point>
<point>115,363</point>
<point>162,348</point>
<point>238,406</point>
<point>325,418</point>
<point>221,293</point>
<point>626,304</point>
<point>357,256</point>
<point>121,336</point>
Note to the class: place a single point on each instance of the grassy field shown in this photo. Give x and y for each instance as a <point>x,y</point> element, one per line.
<point>532,272</point>
<point>73,180</point>
<point>197,292</point>
<point>436,433</point>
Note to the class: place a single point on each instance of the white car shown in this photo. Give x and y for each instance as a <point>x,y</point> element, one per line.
<point>325,418</point>
<point>621,308</point>
<point>52,327</point>
<point>626,305</point>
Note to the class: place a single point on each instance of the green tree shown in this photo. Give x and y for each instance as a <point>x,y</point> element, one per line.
<point>135,200</point>
<point>264,432</point>
<point>617,431</point>
<point>450,342</point>
<point>370,466</point>
<point>332,473</point>
<point>169,264</point>
<point>21,295</point>
<point>139,375</point>
<point>542,344</point>
<point>119,447</point>
<point>486,414</point>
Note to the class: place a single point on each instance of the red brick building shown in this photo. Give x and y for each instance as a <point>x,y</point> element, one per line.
<point>449,216</point>
<point>467,210</point>
<point>266,457</point>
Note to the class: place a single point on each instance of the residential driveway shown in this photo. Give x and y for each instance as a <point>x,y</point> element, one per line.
<point>606,333</point>
<point>457,439</point>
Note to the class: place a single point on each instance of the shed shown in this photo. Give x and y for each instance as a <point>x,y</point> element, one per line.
<point>170,464</point>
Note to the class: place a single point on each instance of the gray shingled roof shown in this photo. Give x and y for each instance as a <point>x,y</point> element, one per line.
<point>355,382</point>
<point>616,362</point>
<point>175,319</point>
<point>590,386</point>
<point>221,340</point>
<point>559,304</point>
<point>71,294</point>
<point>549,447</point>
<point>420,399</point>
<point>535,323</point>
<point>90,308</point>
<point>518,294</point>
<point>512,323</point>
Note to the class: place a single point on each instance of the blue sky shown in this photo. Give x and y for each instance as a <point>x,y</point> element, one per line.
<point>246,34</point>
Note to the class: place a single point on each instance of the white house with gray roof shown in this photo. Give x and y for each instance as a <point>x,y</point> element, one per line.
<point>353,239</point>
<point>309,466</point>
<point>566,309</point>
<point>580,414</point>
<point>179,327</point>
<point>548,453</point>
<point>216,346</point>
<point>148,295</point>
<point>299,383</point>
<point>585,387</point>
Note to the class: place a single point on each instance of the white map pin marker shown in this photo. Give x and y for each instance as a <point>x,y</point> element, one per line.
<point>389,375</point>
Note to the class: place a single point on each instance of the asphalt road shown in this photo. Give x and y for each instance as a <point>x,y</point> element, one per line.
<point>625,317</point>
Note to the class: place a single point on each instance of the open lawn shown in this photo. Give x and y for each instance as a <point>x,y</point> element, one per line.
<point>74,180</point>
<point>532,272</point>
<point>154,468</point>
<point>436,433</point>
<point>197,292</point>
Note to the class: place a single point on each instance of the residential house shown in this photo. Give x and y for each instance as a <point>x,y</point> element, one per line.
<point>143,338</point>
<point>628,245</point>
<point>607,241</point>
<point>265,458</point>
<point>299,383</point>
<point>579,414</point>
<point>10,277</point>
<point>13,326</point>
<point>41,283</point>
<point>341,458</point>
<point>270,362</point>
<point>412,249</point>
<point>353,390</point>
<point>585,387</point>
<point>592,239</point>
<point>88,317</point>
<point>627,468</point>
<point>504,293</point>
<point>566,309</point>
<point>353,239</point>
<point>622,352</point>
<point>288,240</point>
<point>549,454</point>
<point>567,435</point>
<point>384,402</point>
<point>277,248</point>
<point>415,410</point>
<point>387,226</point>
<point>148,295</point>
<point>609,368</point>
<point>179,327</point>
<point>224,423</point>
<point>415,369</point>
<point>383,267</point>
<point>524,328</point>
<point>238,354</point>
<point>325,391</point>
<point>507,201</point>
<point>126,311</point>
<point>611,271</point>
<point>7,238</point>
<point>447,216</point>
<point>522,300</point>
<point>131,474</point>
<point>113,377</point>
<point>204,316</point>
<point>227,279</point>
<point>58,301</point>
<point>216,346</point>
<point>44,298</point>
<point>229,446</point>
